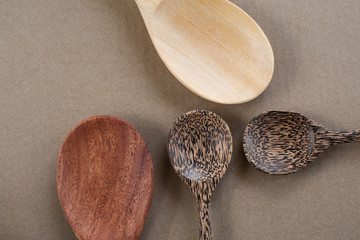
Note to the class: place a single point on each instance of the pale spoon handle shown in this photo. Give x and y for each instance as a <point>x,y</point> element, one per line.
<point>335,137</point>
<point>203,203</point>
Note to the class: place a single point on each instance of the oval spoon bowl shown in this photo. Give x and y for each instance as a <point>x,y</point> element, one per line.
<point>279,143</point>
<point>105,179</point>
<point>212,47</point>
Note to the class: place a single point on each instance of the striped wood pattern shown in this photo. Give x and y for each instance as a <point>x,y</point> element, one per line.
<point>278,142</point>
<point>200,148</point>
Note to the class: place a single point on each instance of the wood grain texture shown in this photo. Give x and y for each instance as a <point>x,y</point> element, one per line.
<point>200,148</point>
<point>279,142</point>
<point>212,47</point>
<point>105,179</point>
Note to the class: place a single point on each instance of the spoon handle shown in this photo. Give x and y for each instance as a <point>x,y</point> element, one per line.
<point>335,137</point>
<point>147,8</point>
<point>203,202</point>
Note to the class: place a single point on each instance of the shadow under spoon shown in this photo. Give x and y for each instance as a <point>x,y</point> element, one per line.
<point>212,47</point>
<point>279,142</point>
<point>105,179</point>
<point>200,148</point>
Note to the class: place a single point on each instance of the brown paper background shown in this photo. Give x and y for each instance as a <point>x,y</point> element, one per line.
<point>62,61</point>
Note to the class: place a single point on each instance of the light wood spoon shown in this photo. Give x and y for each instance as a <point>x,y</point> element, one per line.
<point>211,46</point>
<point>279,142</point>
<point>105,179</point>
<point>200,148</point>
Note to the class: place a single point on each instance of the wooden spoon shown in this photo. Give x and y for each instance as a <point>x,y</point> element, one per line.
<point>284,142</point>
<point>105,179</point>
<point>200,147</point>
<point>211,46</point>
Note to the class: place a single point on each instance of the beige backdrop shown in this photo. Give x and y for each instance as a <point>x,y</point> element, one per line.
<point>62,61</point>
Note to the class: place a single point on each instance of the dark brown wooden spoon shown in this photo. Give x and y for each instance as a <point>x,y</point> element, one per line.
<point>279,142</point>
<point>200,148</point>
<point>105,179</point>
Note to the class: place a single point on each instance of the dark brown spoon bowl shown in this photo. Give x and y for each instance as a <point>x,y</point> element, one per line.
<point>278,142</point>
<point>105,179</point>
<point>200,148</point>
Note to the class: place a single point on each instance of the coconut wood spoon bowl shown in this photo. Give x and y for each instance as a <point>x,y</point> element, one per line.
<point>279,142</point>
<point>211,46</point>
<point>200,148</point>
<point>105,179</point>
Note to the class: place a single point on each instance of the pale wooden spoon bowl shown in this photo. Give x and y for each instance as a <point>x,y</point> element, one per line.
<point>279,142</point>
<point>105,179</point>
<point>211,46</point>
<point>200,148</point>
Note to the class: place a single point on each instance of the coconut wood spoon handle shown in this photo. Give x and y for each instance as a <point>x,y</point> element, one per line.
<point>336,137</point>
<point>202,192</point>
<point>203,202</point>
<point>205,226</point>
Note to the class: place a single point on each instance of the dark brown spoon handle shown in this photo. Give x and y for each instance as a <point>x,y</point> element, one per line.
<point>203,202</point>
<point>205,226</point>
<point>202,192</point>
<point>335,137</point>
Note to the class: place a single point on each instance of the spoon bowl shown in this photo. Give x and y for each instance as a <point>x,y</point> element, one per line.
<point>278,142</point>
<point>200,148</point>
<point>211,46</point>
<point>105,179</point>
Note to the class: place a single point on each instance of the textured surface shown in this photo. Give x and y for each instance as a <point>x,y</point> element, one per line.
<point>279,142</point>
<point>105,179</point>
<point>200,145</point>
<point>200,149</point>
<point>63,61</point>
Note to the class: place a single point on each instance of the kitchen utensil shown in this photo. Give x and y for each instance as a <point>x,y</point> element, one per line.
<point>212,47</point>
<point>200,148</point>
<point>280,142</point>
<point>105,179</point>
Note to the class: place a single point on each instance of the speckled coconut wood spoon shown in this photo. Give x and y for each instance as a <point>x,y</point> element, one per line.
<point>105,179</point>
<point>212,47</point>
<point>284,142</point>
<point>200,147</point>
